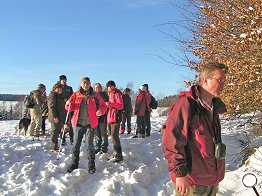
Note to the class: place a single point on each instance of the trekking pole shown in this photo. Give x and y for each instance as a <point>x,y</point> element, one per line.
<point>63,133</point>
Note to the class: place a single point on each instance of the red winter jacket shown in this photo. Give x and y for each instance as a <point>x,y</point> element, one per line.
<point>188,140</point>
<point>76,100</point>
<point>115,103</point>
<point>142,102</point>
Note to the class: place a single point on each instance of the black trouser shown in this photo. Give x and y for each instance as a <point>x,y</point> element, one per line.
<point>140,121</point>
<point>147,122</point>
<point>43,124</point>
<point>114,130</point>
<point>126,119</point>
<point>55,131</point>
<point>102,137</point>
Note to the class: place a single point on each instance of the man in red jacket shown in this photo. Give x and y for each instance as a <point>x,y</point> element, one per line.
<point>87,107</point>
<point>115,104</point>
<point>192,141</point>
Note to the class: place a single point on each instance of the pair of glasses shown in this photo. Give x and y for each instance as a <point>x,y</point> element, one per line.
<point>220,81</point>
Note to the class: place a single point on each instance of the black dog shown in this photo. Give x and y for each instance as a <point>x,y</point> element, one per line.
<point>23,124</point>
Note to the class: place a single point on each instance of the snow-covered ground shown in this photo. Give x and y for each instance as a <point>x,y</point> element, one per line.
<point>29,167</point>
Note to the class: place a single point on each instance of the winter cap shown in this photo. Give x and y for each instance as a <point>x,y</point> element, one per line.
<point>41,86</point>
<point>127,90</point>
<point>85,79</point>
<point>57,85</point>
<point>142,88</point>
<point>110,83</point>
<point>62,77</point>
<point>146,85</point>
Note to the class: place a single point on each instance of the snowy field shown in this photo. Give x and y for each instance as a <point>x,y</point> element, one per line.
<point>29,167</point>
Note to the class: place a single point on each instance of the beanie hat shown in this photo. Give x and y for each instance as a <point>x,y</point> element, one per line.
<point>41,86</point>
<point>110,83</point>
<point>127,89</point>
<point>62,77</point>
<point>142,88</point>
<point>84,79</point>
<point>57,85</point>
<point>146,85</point>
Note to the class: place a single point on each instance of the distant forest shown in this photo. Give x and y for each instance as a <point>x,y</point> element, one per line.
<point>11,97</point>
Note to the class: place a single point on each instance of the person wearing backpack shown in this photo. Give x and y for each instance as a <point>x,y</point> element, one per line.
<point>192,142</point>
<point>67,91</point>
<point>148,111</point>
<point>127,112</point>
<point>87,106</point>
<point>36,111</point>
<point>115,105</point>
<point>141,106</point>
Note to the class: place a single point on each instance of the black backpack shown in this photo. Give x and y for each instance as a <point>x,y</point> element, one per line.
<point>29,100</point>
<point>153,104</point>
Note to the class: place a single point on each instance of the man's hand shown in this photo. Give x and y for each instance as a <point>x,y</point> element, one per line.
<point>68,102</point>
<point>55,120</point>
<point>182,185</point>
<point>98,113</point>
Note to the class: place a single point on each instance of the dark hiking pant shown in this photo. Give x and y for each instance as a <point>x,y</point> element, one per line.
<point>101,136</point>
<point>147,123</point>
<point>140,121</point>
<point>43,124</point>
<point>79,133</point>
<point>55,131</point>
<point>126,120</point>
<point>114,130</point>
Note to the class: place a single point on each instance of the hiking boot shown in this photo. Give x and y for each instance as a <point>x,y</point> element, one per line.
<point>97,151</point>
<point>54,147</point>
<point>63,143</point>
<point>91,169</point>
<point>129,130</point>
<point>142,136</point>
<point>147,135</point>
<point>118,158</point>
<point>121,131</point>
<point>72,167</point>
<point>104,150</point>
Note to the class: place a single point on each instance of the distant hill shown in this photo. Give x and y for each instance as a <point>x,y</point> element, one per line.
<point>11,97</point>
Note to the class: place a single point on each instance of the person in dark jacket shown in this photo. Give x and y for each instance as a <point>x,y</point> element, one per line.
<point>141,106</point>
<point>67,91</point>
<point>147,113</point>
<point>87,107</point>
<point>192,141</point>
<point>57,114</point>
<point>101,143</point>
<point>127,112</point>
<point>114,104</point>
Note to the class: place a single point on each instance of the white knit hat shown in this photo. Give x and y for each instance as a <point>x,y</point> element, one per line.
<point>142,88</point>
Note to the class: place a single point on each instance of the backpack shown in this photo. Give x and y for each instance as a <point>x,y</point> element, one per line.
<point>29,101</point>
<point>119,113</point>
<point>153,104</point>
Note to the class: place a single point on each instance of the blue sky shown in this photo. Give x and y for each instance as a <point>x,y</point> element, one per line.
<point>103,39</point>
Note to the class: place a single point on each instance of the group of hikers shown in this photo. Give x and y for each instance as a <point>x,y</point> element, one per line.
<point>89,113</point>
<point>191,142</point>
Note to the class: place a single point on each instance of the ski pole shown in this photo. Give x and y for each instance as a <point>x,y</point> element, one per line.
<point>63,134</point>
